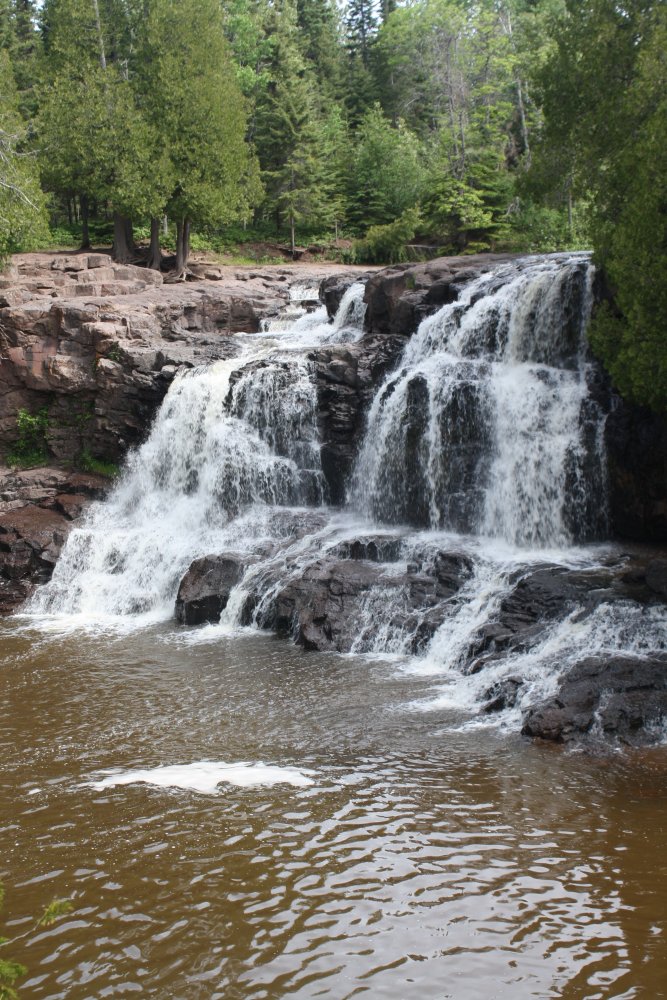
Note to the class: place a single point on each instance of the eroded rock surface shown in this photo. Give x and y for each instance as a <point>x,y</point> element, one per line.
<point>37,510</point>
<point>619,698</point>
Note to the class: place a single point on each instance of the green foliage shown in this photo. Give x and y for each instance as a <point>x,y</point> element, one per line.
<point>387,175</point>
<point>22,204</point>
<point>31,446</point>
<point>388,244</point>
<point>604,94</point>
<point>56,909</point>
<point>98,466</point>
<point>10,970</point>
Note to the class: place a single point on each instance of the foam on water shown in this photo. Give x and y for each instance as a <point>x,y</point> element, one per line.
<point>206,776</point>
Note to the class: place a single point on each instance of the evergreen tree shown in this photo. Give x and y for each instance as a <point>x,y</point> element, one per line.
<point>387,175</point>
<point>191,98</point>
<point>288,130</point>
<point>605,105</point>
<point>22,213</point>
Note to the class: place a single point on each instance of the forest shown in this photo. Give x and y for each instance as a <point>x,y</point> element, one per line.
<point>378,131</point>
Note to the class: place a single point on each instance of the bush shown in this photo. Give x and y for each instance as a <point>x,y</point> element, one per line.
<point>387,244</point>
<point>31,447</point>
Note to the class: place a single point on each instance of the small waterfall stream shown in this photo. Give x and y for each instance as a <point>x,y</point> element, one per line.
<point>483,447</point>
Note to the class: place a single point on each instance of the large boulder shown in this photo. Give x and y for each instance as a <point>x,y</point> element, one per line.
<point>204,590</point>
<point>328,604</point>
<point>622,698</point>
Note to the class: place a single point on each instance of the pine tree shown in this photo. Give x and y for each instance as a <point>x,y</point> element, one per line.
<point>22,210</point>
<point>192,100</point>
<point>288,130</point>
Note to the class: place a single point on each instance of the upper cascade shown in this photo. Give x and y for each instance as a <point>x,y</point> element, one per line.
<point>487,426</point>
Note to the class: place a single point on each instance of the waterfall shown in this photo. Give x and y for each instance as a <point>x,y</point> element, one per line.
<point>486,427</point>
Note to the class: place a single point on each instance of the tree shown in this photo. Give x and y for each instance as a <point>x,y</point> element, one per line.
<point>288,131</point>
<point>191,98</point>
<point>22,209</point>
<point>604,101</point>
<point>387,175</point>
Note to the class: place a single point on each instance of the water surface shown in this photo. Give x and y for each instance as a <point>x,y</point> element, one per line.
<point>418,857</point>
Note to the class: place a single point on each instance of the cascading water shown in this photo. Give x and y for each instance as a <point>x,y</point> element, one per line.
<point>484,440</point>
<point>483,429</point>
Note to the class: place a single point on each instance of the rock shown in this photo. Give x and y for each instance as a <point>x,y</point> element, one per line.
<point>37,511</point>
<point>399,297</point>
<point>636,441</point>
<point>98,343</point>
<point>656,577</point>
<point>204,590</point>
<point>622,698</point>
<point>324,605</point>
<point>502,695</point>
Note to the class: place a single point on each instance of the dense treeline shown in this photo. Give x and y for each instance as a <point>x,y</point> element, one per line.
<point>460,125</point>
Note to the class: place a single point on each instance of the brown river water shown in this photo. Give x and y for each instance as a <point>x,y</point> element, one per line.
<point>422,859</point>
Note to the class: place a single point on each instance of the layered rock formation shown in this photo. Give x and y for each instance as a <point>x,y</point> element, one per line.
<point>37,509</point>
<point>97,344</point>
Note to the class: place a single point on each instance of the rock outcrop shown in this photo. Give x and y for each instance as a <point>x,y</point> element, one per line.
<point>619,698</point>
<point>97,344</point>
<point>37,510</point>
<point>204,590</point>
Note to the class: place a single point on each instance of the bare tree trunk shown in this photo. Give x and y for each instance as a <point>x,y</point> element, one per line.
<point>70,217</point>
<point>292,239</point>
<point>154,253</point>
<point>524,124</point>
<point>120,250</point>
<point>182,249</point>
<point>569,208</point>
<point>129,237</point>
<point>85,235</point>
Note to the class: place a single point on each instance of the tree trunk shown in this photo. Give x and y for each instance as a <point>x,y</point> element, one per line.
<point>70,217</point>
<point>85,235</point>
<point>524,124</point>
<point>292,238</point>
<point>129,238</point>
<point>182,249</point>
<point>120,250</point>
<point>154,253</point>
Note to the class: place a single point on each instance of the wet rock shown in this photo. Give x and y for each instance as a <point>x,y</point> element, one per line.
<point>636,441</point>
<point>38,508</point>
<point>326,604</point>
<point>399,297</point>
<point>501,695</point>
<point>656,577</point>
<point>204,590</point>
<point>539,597</point>
<point>622,698</point>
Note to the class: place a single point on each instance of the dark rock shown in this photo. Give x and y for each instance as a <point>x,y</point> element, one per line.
<point>636,441</point>
<point>399,297</point>
<point>324,605</point>
<point>204,590</point>
<point>502,695</point>
<point>620,698</point>
<point>37,511</point>
<point>656,576</point>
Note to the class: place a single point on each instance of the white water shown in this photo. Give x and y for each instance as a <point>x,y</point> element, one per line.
<point>206,776</point>
<point>486,413</point>
<point>484,438</point>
